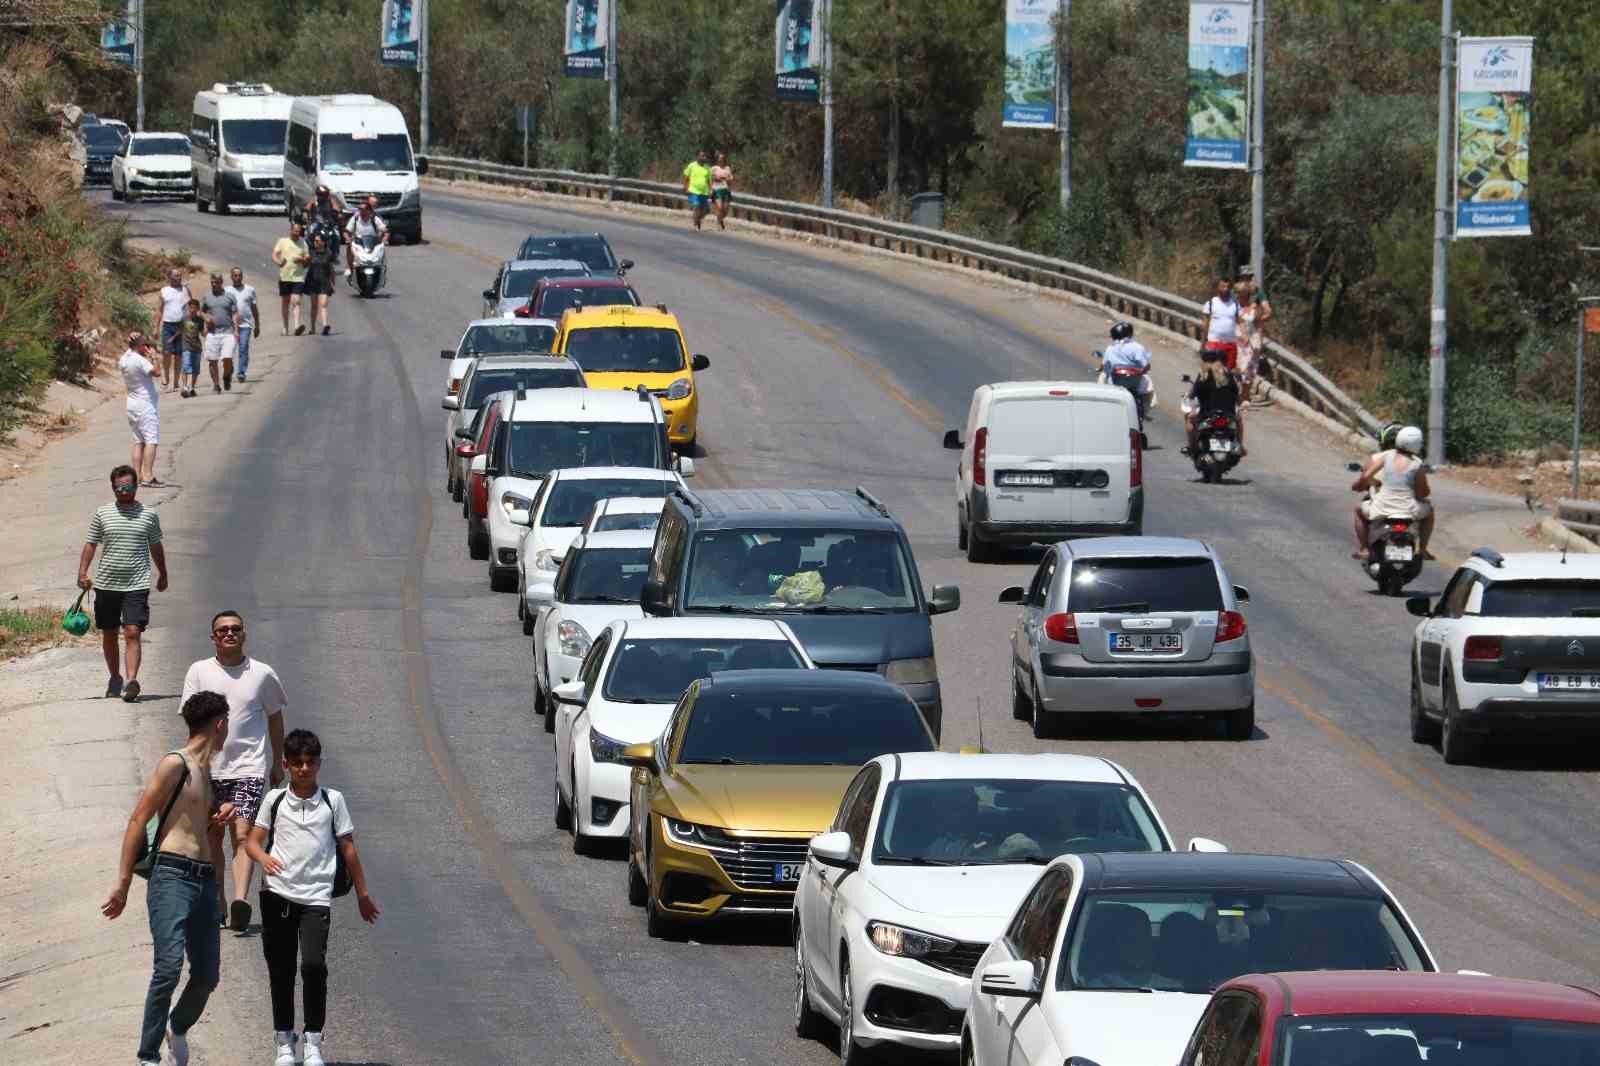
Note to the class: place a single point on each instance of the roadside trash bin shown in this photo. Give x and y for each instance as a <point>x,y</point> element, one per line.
<point>927,209</point>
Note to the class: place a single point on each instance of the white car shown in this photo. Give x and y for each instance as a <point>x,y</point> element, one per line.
<point>496,336</point>
<point>152,164</point>
<point>485,376</point>
<point>940,848</point>
<point>599,582</point>
<point>1513,640</point>
<point>625,512</point>
<point>556,517</point>
<point>626,690</point>
<point>516,279</point>
<point>1111,958</point>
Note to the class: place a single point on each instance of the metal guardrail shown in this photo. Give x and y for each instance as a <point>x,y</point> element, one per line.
<point>1580,516</point>
<point>1292,372</point>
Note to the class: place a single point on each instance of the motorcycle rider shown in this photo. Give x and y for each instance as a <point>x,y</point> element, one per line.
<point>323,213</point>
<point>1401,490</point>
<point>1214,392</point>
<point>366,222</point>
<point>1126,353</point>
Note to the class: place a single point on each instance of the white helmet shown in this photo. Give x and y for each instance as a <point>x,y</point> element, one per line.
<point>1409,440</point>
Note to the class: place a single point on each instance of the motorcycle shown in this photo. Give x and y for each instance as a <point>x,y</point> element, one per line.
<point>1136,381</point>
<point>369,264</point>
<point>1216,444</point>
<point>1394,555</point>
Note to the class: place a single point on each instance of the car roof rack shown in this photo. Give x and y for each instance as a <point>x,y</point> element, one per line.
<point>663,309</point>
<point>1490,556</point>
<point>872,501</point>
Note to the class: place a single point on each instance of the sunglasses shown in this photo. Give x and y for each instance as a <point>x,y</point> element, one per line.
<point>128,487</point>
<point>223,631</point>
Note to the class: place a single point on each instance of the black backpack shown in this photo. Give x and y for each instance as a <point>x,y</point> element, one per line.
<point>341,875</point>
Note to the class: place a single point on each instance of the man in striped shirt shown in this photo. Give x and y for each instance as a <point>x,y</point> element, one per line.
<point>131,534</point>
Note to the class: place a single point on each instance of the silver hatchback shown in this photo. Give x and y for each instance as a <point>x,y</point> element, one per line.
<point>1142,625</point>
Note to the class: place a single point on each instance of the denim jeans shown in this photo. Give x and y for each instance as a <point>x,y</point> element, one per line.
<point>184,916</point>
<point>242,360</point>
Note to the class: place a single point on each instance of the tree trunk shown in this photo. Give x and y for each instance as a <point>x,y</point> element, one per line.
<point>1316,302</point>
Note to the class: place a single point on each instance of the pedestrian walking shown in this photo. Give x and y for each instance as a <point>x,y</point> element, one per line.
<point>319,282</point>
<point>175,297</point>
<point>144,419</point>
<point>697,186</point>
<point>1255,311</point>
<point>292,255</point>
<point>302,836</point>
<point>180,900</point>
<point>194,343</point>
<point>249,318</point>
<point>721,188</point>
<point>130,534</point>
<point>222,333</point>
<point>1221,324</point>
<point>254,752</point>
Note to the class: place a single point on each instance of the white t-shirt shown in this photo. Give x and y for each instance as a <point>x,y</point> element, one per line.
<point>174,303</point>
<point>359,227</point>
<point>303,840</point>
<point>1224,320</point>
<point>136,375</point>
<point>254,694</point>
<point>245,297</point>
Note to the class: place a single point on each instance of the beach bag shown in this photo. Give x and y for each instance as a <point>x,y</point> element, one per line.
<point>75,621</point>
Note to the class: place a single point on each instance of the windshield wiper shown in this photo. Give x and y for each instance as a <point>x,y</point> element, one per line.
<point>1134,607</point>
<point>607,599</point>
<point>916,860</point>
<point>728,608</point>
<point>1129,988</point>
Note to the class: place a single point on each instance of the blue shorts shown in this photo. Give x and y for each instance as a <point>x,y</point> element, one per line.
<point>698,201</point>
<point>191,362</point>
<point>171,337</point>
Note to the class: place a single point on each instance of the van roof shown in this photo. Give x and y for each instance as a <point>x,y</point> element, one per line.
<point>811,508</point>
<point>348,112</point>
<point>1024,390</point>
<point>593,405</point>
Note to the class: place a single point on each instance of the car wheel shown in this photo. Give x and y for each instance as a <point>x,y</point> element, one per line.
<point>458,491</point>
<point>1239,723</point>
<point>968,1056</point>
<point>217,199</point>
<point>527,618</point>
<point>1424,730</point>
<point>657,925</point>
<point>201,205</point>
<point>477,543</point>
<point>1043,722</point>
<point>638,890</point>
<point>547,707</point>
<point>961,533</point>
<point>850,1052</point>
<point>1021,704</point>
<point>977,548</point>
<point>563,810</point>
<point>1458,747</point>
<point>581,844</point>
<point>115,195</point>
<point>807,1022</point>
<point>502,580</point>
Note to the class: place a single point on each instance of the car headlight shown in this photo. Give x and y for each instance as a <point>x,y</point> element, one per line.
<point>545,559</point>
<point>680,389</point>
<point>698,836</point>
<point>909,943</point>
<point>912,671</point>
<point>510,501</point>
<point>604,748</point>
<point>574,641</point>
<point>132,172</point>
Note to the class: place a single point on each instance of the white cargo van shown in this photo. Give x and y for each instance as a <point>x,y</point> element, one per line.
<point>236,146</point>
<point>356,145</point>
<point>1047,460</point>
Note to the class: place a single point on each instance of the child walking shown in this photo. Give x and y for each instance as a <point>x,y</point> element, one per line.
<point>194,342</point>
<point>302,837</point>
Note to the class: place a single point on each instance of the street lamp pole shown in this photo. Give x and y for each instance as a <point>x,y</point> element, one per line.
<point>827,103</point>
<point>1258,137</point>
<point>138,66</point>
<point>1438,333</point>
<point>1064,100</point>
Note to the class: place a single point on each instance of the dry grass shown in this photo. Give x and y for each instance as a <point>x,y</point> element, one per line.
<point>24,630</point>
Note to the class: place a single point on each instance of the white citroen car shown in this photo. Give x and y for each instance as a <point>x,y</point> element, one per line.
<point>624,694</point>
<point>599,582</point>
<point>625,512</point>
<point>939,848</point>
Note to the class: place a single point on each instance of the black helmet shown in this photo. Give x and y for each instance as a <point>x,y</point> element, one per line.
<point>1122,331</point>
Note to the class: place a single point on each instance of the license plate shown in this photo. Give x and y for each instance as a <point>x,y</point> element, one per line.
<point>1400,553</point>
<point>1043,478</point>
<point>1570,682</point>
<point>1157,642</point>
<point>1221,447</point>
<point>786,872</point>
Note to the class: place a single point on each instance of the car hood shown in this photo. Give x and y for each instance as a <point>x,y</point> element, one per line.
<point>594,617</point>
<point>759,799</point>
<point>504,307</point>
<point>158,162</point>
<point>558,538</point>
<point>861,639</point>
<point>631,723</point>
<point>631,379</point>
<point>987,892</point>
<point>1126,1028</point>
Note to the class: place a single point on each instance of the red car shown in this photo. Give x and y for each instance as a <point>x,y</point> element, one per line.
<point>1388,1018</point>
<point>553,296</point>
<point>475,500</point>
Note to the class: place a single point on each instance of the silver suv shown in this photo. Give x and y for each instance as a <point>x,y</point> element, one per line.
<point>1143,625</point>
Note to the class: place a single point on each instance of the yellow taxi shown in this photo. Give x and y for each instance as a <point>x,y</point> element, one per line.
<point>623,347</point>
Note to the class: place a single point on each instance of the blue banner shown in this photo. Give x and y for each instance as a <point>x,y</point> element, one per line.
<point>1494,116</point>
<point>1218,85</point>
<point>116,38</point>
<point>398,40</point>
<point>1030,100</point>
<point>585,48</point>
<point>797,50</point>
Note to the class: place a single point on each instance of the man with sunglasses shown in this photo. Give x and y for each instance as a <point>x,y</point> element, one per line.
<point>130,535</point>
<point>254,749</point>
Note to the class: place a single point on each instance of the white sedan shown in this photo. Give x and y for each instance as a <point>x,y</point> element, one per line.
<point>152,164</point>
<point>940,848</point>
<point>625,693</point>
<point>625,512</point>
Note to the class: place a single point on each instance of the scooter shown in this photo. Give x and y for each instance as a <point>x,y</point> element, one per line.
<point>1216,444</point>
<point>1394,555</point>
<point>1133,379</point>
<point>369,262</point>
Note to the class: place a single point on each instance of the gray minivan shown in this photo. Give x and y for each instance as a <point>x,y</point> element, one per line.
<point>835,566</point>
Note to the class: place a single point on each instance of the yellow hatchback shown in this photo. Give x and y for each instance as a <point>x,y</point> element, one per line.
<point>623,347</point>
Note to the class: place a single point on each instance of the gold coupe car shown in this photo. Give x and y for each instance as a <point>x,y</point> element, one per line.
<point>750,767</point>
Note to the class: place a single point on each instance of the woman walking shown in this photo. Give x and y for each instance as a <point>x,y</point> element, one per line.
<point>721,189</point>
<point>1255,311</point>
<point>292,257</point>
<point>319,282</point>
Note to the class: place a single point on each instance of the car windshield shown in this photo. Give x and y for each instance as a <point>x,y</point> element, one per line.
<point>159,146</point>
<point>1464,1039</point>
<point>800,569</point>
<point>488,381</point>
<point>592,252</point>
<point>1540,599</point>
<point>370,151</point>
<point>603,575</point>
<point>108,137</point>
<point>509,338</point>
<point>254,136</point>
<point>540,447</point>
<point>645,349</point>
<point>657,671</point>
<point>519,283</point>
<point>801,727</point>
<point>1192,941</point>
<point>552,302</point>
<point>572,499</point>
<point>983,821</point>
<point>1141,585</point>
<point>627,520</point>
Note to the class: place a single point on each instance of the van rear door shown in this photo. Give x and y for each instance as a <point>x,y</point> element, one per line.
<point>1100,442</point>
<point>1028,457</point>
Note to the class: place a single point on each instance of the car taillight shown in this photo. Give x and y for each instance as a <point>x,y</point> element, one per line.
<point>1135,460</point>
<point>1481,648</point>
<point>980,456</point>
<point>1061,628</point>
<point>523,312</point>
<point>1230,626</point>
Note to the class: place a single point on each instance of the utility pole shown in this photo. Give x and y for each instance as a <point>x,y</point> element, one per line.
<point>138,65</point>
<point>1577,395</point>
<point>1438,331</point>
<point>611,79</point>
<point>827,103</point>
<point>1258,148</point>
<point>422,72</point>
<point>1064,99</point>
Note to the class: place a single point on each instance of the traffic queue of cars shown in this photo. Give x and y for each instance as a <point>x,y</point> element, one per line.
<point>743,694</point>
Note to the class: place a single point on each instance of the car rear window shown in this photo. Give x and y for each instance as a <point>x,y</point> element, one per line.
<point>508,338</point>
<point>1541,599</point>
<point>1139,585</point>
<point>486,383</point>
<point>1032,427</point>
<point>552,302</point>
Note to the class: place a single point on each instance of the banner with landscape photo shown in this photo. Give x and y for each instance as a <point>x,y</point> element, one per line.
<point>1494,112</point>
<point>1218,85</point>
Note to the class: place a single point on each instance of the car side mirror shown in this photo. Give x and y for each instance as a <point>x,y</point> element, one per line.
<point>1418,605</point>
<point>943,599</point>
<point>832,849</point>
<point>451,403</point>
<point>447,353</point>
<point>699,362</point>
<point>952,440</point>
<point>639,756</point>
<point>624,266</point>
<point>464,433</point>
<point>489,294</point>
<point>1016,979</point>
<point>1097,354</point>
<point>422,165</point>
<point>1011,594</point>
<point>653,598</point>
<point>480,464</point>
<point>1207,845</point>
<point>1241,594</point>
<point>520,516</point>
<point>684,466</point>
<point>466,450</point>
<point>573,692</point>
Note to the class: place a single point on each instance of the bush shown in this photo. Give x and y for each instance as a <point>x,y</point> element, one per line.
<point>1485,419</point>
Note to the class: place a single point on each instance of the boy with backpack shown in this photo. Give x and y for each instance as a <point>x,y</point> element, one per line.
<point>306,845</point>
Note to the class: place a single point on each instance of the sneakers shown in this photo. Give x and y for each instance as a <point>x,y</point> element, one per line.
<point>326,330</point>
<point>114,687</point>
<point>313,1050</point>
<point>283,1049</point>
<point>298,330</point>
<point>178,1045</point>
<point>242,378</point>
<point>130,692</point>
<point>239,915</point>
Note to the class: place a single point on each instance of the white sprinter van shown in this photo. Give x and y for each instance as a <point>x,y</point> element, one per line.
<point>236,146</point>
<point>356,145</point>
<point>1046,460</point>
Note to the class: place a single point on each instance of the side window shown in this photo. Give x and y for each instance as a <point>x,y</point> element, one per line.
<point>680,719</point>
<point>1223,1037</point>
<point>1454,601</point>
<point>214,135</point>
<point>196,124</point>
<point>589,671</point>
<point>667,555</point>
<point>1475,597</point>
<point>1039,591</point>
<point>497,447</point>
<point>1032,925</point>
<point>856,813</point>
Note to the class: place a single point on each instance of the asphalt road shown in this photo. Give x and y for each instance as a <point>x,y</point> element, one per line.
<point>498,944</point>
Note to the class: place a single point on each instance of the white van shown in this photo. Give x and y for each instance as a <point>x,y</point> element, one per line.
<point>1047,460</point>
<point>357,146</point>
<point>236,146</point>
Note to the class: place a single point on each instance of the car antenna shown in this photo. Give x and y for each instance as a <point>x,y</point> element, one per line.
<point>980,723</point>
